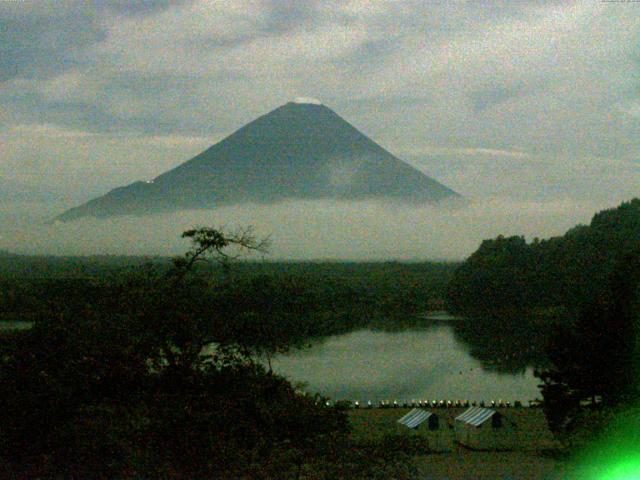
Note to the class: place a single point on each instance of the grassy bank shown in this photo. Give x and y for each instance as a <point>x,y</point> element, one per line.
<point>531,461</point>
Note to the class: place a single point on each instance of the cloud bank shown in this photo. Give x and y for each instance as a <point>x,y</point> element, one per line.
<point>313,230</point>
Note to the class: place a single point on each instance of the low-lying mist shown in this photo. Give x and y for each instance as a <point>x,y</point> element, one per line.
<point>303,230</point>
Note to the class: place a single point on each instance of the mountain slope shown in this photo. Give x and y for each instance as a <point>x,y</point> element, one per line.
<point>297,151</point>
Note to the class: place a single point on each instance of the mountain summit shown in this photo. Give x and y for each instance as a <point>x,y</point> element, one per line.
<point>301,150</point>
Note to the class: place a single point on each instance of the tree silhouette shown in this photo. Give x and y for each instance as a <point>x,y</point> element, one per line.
<point>597,356</point>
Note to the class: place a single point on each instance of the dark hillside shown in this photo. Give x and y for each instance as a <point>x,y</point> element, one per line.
<point>509,274</point>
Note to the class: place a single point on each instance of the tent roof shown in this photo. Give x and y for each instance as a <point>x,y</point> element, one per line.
<point>415,417</point>
<point>476,416</point>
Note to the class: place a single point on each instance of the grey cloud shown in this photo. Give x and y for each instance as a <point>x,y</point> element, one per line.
<point>29,108</point>
<point>36,46</point>
<point>494,95</point>
<point>140,7</point>
<point>315,230</point>
<point>521,177</point>
<point>287,15</point>
<point>95,114</point>
<point>14,191</point>
<point>42,39</point>
<point>367,56</point>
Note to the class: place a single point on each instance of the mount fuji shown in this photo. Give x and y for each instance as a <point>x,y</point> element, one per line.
<point>301,150</point>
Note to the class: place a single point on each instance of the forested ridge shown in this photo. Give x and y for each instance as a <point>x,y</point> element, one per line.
<point>508,275</point>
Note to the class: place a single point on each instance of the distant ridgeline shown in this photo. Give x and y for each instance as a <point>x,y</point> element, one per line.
<point>320,298</point>
<point>509,275</point>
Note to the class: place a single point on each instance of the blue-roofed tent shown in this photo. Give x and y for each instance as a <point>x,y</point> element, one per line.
<point>417,417</point>
<point>483,429</point>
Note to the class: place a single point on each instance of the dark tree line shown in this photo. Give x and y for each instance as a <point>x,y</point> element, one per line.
<point>595,360</point>
<point>509,275</point>
<point>293,303</point>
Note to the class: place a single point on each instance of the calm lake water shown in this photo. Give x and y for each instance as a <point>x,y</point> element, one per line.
<point>418,363</point>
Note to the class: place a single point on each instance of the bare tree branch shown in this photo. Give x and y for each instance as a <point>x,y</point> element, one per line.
<point>212,244</point>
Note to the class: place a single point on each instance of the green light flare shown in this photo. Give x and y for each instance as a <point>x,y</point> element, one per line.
<point>626,470</point>
<point>614,452</point>
<point>616,455</point>
<point>618,468</point>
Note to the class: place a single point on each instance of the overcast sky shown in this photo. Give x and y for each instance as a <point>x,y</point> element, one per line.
<point>529,101</point>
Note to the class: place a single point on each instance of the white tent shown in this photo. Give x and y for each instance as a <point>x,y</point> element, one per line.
<point>427,425</point>
<point>483,429</point>
<point>417,417</point>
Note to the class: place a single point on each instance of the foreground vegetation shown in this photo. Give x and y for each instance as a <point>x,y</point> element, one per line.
<point>155,370</point>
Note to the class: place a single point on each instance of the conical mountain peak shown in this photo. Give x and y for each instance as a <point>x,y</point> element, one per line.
<point>300,150</point>
<point>295,122</point>
<point>306,101</point>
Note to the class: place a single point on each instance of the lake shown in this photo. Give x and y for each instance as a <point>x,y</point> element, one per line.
<point>439,360</point>
<point>416,363</point>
